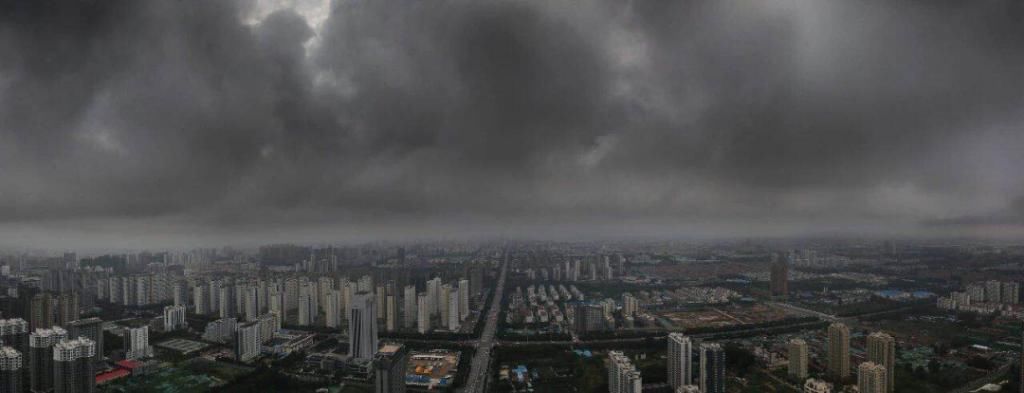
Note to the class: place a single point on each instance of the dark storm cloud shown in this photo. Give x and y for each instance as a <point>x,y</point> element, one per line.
<point>727,113</point>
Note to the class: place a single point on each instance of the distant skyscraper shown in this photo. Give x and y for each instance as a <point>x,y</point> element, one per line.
<point>423,313</point>
<point>409,307</point>
<point>453,310</point>
<point>305,310</point>
<point>390,312</point>
<point>629,305</point>
<point>712,368</point>
<point>73,366</point>
<point>362,326</point>
<point>199,296</point>
<point>332,309</point>
<point>798,359</point>
<point>11,372</point>
<point>780,275</point>
<point>838,350</point>
<point>871,378</point>
<point>136,343</point>
<point>680,360</point>
<point>389,364</point>
<point>464,289</point>
<point>443,299</point>
<point>882,350</point>
<point>433,295</point>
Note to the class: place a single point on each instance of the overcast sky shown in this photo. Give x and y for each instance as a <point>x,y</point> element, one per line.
<point>128,123</point>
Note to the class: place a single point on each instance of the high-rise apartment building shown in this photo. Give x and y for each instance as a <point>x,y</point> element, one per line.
<point>247,341</point>
<point>780,275</point>
<point>838,350</point>
<point>73,366</point>
<point>136,343</point>
<point>11,370</point>
<point>680,360</point>
<point>871,378</point>
<point>362,326</point>
<point>423,313</point>
<point>41,343</point>
<point>798,359</point>
<point>389,368</point>
<point>174,318</point>
<point>881,349</point>
<point>91,328</point>
<point>623,377</point>
<point>409,307</point>
<point>712,368</point>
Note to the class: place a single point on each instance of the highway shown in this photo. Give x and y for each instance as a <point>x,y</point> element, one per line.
<point>479,370</point>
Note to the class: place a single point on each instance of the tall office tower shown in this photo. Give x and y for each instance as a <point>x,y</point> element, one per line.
<point>838,350</point>
<point>463,299</point>
<point>630,305</point>
<point>443,299</point>
<point>91,328</point>
<point>871,378</point>
<point>433,294</point>
<point>11,370</point>
<point>817,386</point>
<point>409,307</point>
<point>712,368</point>
<point>41,343</point>
<point>680,360</point>
<point>136,343</point>
<point>588,317</point>
<point>66,306</point>
<point>247,341</point>
<point>40,312</point>
<point>798,359</point>
<point>882,350</point>
<point>362,326</point>
<point>389,365</point>
<point>227,303</point>
<point>174,318</point>
<point>199,300</point>
<point>780,275</point>
<point>305,310</point>
<point>453,311</point>
<point>391,313</point>
<point>73,366</point>
<point>422,313</point>
<point>252,303</point>
<point>332,309</point>
<point>180,293</point>
<point>623,377</point>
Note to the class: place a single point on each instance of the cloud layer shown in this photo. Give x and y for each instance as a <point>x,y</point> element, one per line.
<point>239,116</point>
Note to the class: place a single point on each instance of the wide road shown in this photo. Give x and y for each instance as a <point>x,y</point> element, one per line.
<point>479,369</point>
